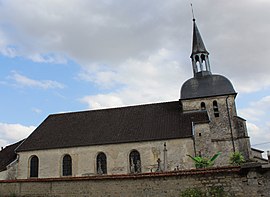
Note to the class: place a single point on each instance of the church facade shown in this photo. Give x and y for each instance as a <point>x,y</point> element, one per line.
<point>144,138</point>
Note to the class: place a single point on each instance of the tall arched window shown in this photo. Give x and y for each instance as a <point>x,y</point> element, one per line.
<point>67,166</point>
<point>203,106</point>
<point>101,163</point>
<point>135,162</point>
<point>215,108</point>
<point>34,163</point>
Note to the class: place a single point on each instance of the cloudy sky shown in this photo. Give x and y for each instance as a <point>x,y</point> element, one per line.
<point>71,55</point>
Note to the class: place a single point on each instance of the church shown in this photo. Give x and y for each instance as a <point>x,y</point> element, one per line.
<point>138,139</point>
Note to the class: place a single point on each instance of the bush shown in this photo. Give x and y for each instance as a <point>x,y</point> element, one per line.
<point>192,192</point>
<point>214,191</point>
<point>237,158</point>
<point>201,162</point>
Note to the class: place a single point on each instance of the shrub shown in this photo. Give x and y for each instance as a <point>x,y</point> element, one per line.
<point>237,158</point>
<point>214,191</point>
<point>192,192</point>
<point>201,162</point>
<point>217,191</point>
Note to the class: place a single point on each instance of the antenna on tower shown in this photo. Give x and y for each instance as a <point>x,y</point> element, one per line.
<point>193,17</point>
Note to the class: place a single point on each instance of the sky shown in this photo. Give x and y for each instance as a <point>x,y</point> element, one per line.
<point>71,55</point>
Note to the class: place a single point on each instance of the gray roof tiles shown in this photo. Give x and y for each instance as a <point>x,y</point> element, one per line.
<point>205,86</point>
<point>8,155</point>
<point>159,121</point>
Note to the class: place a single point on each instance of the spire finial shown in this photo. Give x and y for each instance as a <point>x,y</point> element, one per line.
<point>193,17</point>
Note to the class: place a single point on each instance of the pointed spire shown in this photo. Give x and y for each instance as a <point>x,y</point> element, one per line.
<point>197,44</point>
<point>199,55</point>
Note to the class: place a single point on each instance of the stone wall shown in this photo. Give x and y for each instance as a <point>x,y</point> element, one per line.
<point>234,181</point>
<point>227,131</point>
<point>84,158</point>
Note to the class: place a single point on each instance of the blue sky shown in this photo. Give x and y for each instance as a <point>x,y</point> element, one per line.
<point>59,56</point>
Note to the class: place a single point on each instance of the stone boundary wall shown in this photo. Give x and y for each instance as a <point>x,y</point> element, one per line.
<point>235,181</point>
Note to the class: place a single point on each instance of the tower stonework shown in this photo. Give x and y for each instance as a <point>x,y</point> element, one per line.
<point>226,132</point>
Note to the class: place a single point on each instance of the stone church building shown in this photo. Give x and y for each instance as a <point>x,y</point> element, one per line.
<point>137,139</point>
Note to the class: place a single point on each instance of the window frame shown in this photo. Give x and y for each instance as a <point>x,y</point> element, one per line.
<point>66,165</point>
<point>134,166</point>
<point>33,166</point>
<point>101,163</point>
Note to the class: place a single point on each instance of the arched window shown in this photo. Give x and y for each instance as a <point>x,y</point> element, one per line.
<point>203,106</point>
<point>215,108</point>
<point>67,166</point>
<point>101,163</point>
<point>135,162</point>
<point>203,61</point>
<point>34,163</point>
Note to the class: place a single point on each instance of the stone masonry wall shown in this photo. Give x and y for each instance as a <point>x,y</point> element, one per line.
<point>233,180</point>
<point>224,134</point>
<point>84,158</point>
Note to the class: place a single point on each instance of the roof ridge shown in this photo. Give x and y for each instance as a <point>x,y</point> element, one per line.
<point>112,108</point>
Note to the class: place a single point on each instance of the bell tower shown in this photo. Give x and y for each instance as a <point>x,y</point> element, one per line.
<point>226,132</point>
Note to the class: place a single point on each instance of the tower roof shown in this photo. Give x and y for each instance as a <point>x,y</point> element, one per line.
<point>206,86</point>
<point>197,43</point>
<point>204,83</point>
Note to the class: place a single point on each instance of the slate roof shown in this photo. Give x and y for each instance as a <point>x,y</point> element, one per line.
<point>159,121</point>
<point>197,42</point>
<point>8,155</point>
<point>205,86</point>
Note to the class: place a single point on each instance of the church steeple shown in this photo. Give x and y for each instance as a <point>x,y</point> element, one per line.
<point>199,55</point>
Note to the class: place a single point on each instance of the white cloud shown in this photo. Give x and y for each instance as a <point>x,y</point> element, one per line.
<point>111,32</point>
<point>102,101</point>
<point>10,133</point>
<point>257,110</point>
<point>138,81</point>
<point>258,122</point>
<point>56,59</point>
<point>23,81</point>
<point>37,110</point>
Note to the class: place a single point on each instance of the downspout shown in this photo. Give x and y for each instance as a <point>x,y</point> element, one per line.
<point>165,163</point>
<point>230,124</point>
<point>193,137</point>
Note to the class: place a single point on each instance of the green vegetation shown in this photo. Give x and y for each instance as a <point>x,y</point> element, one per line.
<point>192,192</point>
<point>201,162</point>
<point>237,158</point>
<point>214,191</point>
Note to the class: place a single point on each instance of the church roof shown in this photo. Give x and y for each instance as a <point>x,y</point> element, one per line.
<point>159,121</point>
<point>206,86</point>
<point>8,155</point>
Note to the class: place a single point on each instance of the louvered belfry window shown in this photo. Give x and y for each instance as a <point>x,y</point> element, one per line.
<point>215,108</point>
